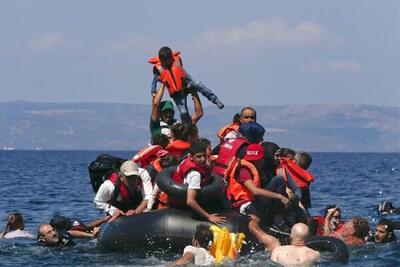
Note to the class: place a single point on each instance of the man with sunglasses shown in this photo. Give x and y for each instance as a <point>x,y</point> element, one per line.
<point>125,192</point>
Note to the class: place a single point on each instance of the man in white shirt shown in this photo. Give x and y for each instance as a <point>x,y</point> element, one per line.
<point>125,192</point>
<point>198,253</point>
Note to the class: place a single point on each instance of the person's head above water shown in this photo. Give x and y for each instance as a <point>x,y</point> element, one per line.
<point>336,217</point>
<point>15,221</point>
<point>384,232</point>
<point>247,114</point>
<point>357,227</point>
<point>203,236</point>
<point>165,56</point>
<point>299,233</point>
<point>48,235</point>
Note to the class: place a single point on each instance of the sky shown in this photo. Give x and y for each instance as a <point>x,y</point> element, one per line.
<point>248,52</point>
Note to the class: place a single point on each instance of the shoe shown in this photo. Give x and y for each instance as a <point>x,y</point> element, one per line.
<point>219,104</point>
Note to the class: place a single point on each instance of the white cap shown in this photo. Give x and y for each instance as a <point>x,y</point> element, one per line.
<point>129,168</point>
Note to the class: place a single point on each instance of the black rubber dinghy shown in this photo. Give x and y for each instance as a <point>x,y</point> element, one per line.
<point>335,246</point>
<point>172,229</point>
<point>166,229</point>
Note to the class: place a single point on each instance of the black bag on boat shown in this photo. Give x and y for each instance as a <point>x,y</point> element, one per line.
<point>101,169</point>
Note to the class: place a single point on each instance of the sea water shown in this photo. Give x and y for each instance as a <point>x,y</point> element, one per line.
<point>41,184</point>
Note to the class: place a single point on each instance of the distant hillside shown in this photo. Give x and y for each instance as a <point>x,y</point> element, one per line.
<point>90,126</point>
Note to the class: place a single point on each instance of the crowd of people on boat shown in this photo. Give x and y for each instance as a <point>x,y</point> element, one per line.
<point>266,183</point>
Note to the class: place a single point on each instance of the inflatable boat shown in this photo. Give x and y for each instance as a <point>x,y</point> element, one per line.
<point>172,229</point>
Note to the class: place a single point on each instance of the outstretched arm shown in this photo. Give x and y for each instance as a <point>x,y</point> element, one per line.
<point>269,242</point>
<point>256,191</point>
<point>194,205</point>
<point>155,103</point>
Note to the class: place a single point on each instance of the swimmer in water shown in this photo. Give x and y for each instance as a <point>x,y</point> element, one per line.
<point>15,227</point>
<point>384,232</point>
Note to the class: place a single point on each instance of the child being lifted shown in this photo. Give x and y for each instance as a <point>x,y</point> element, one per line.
<point>168,70</point>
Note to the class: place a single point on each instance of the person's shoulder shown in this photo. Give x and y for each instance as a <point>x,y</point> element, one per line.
<point>279,249</point>
<point>190,249</point>
<point>18,234</point>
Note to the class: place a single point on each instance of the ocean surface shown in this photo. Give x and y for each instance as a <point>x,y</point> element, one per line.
<point>41,184</point>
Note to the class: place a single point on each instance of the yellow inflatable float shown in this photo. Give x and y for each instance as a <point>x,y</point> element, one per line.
<point>226,245</point>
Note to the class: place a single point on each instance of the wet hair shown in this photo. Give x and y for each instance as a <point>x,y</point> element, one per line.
<point>203,235</point>
<point>331,206</point>
<point>361,227</point>
<point>15,221</point>
<point>168,160</point>
<point>165,54</point>
<point>303,159</point>
<point>181,131</point>
<point>160,139</point>
<point>252,109</point>
<point>389,227</point>
<point>197,147</point>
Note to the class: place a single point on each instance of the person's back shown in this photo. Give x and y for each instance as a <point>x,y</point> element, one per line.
<point>297,253</point>
<point>197,252</point>
<point>294,255</point>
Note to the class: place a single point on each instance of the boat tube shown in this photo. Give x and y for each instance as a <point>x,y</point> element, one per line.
<point>335,246</point>
<point>172,229</point>
<point>206,194</point>
<point>166,229</point>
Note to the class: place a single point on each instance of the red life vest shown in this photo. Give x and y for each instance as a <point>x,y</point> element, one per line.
<point>178,176</point>
<point>146,155</point>
<point>172,78</point>
<point>320,225</point>
<point>188,165</point>
<point>177,148</point>
<point>227,154</point>
<point>226,129</point>
<point>301,177</point>
<point>126,198</point>
<point>237,192</point>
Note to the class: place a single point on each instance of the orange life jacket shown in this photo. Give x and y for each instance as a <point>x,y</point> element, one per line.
<point>172,78</point>
<point>227,154</point>
<point>226,129</point>
<point>238,193</point>
<point>177,148</point>
<point>301,177</point>
<point>146,155</point>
